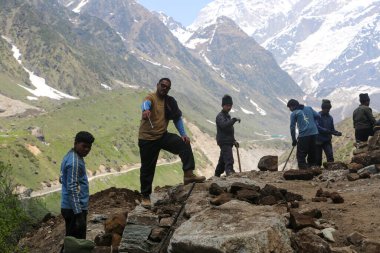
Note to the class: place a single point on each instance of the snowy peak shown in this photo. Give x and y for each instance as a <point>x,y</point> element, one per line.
<point>251,16</point>
<point>177,29</point>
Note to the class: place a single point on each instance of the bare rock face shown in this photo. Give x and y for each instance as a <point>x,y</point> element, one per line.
<point>234,227</point>
<point>307,242</point>
<point>268,162</point>
<point>374,142</point>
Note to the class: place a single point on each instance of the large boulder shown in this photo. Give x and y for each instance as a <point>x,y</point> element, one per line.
<point>234,227</point>
<point>268,162</point>
<point>306,241</point>
<point>374,142</point>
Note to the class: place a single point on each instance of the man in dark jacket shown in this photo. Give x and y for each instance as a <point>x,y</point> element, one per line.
<point>304,117</point>
<point>225,138</point>
<point>363,119</point>
<point>326,129</point>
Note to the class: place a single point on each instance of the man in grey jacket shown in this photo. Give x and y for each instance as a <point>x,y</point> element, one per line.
<point>225,138</point>
<point>363,119</point>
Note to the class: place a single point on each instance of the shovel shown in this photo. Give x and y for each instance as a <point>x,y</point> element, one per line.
<point>288,158</point>
<point>237,150</point>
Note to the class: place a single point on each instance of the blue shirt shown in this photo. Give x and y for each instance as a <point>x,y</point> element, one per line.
<point>75,190</point>
<point>305,118</point>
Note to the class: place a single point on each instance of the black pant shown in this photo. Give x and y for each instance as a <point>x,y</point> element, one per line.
<point>327,148</point>
<point>149,151</point>
<point>306,148</point>
<point>226,160</point>
<point>70,223</point>
<point>363,134</point>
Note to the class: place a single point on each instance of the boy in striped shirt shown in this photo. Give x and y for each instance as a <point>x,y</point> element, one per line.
<point>75,190</point>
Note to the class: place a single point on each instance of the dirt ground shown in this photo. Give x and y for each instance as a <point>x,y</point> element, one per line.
<point>359,212</point>
<point>49,236</point>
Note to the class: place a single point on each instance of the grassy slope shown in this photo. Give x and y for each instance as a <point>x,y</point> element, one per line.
<point>112,117</point>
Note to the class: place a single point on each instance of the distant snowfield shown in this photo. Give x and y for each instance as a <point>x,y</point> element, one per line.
<point>41,88</point>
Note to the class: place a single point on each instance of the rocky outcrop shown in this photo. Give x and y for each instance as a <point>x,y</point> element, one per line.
<point>232,227</point>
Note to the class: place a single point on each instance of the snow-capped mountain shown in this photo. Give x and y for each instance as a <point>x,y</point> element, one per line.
<point>324,45</point>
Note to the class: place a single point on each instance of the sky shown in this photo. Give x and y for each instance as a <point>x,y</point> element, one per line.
<point>184,11</point>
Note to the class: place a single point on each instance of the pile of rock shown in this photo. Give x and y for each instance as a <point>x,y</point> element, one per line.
<point>366,159</point>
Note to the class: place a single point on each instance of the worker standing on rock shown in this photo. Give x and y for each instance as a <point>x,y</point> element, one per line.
<point>225,138</point>
<point>364,121</point>
<point>305,119</point>
<point>326,129</point>
<point>75,190</point>
<point>157,109</point>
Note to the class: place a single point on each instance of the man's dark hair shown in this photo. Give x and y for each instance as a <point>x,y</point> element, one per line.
<point>165,79</point>
<point>85,137</point>
<point>363,97</point>
<point>293,103</point>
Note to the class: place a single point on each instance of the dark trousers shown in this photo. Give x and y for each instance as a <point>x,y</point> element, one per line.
<point>226,160</point>
<point>363,134</point>
<point>327,148</point>
<point>149,151</point>
<point>70,223</point>
<point>306,150</point>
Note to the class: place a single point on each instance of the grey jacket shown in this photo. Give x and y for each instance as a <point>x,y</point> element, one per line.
<point>225,129</point>
<point>363,117</point>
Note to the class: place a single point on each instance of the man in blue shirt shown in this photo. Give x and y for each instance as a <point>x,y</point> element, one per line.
<point>326,129</point>
<point>75,190</point>
<point>305,119</point>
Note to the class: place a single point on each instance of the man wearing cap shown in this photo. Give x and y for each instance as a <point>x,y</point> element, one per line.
<point>363,119</point>
<point>326,129</point>
<point>304,117</point>
<point>225,138</point>
<point>157,109</point>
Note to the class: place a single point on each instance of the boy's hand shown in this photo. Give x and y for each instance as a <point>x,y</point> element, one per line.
<point>146,114</point>
<point>236,119</point>
<point>186,139</point>
<point>337,133</point>
<point>236,144</point>
<point>294,143</point>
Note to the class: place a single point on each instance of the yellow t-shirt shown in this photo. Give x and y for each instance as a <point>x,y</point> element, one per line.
<point>157,117</point>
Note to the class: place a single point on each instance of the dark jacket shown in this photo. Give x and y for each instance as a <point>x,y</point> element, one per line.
<point>224,129</point>
<point>326,127</point>
<point>363,117</point>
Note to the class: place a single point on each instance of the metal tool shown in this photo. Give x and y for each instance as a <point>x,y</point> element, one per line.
<point>171,228</point>
<point>238,155</point>
<point>151,125</point>
<point>288,158</point>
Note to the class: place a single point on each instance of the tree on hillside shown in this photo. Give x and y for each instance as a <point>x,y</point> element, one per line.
<point>12,216</point>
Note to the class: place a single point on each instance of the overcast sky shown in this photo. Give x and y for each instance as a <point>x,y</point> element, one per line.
<point>184,11</point>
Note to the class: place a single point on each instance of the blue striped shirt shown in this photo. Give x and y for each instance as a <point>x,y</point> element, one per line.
<point>75,190</point>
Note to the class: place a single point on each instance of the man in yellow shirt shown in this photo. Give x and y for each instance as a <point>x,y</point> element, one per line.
<point>157,109</point>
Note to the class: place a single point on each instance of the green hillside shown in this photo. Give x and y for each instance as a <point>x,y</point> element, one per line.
<point>113,118</point>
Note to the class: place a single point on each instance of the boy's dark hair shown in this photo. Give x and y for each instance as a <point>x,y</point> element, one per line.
<point>326,104</point>
<point>227,100</point>
<point>85,137</point>
<point>165,79</point>
<point>293,103</point>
